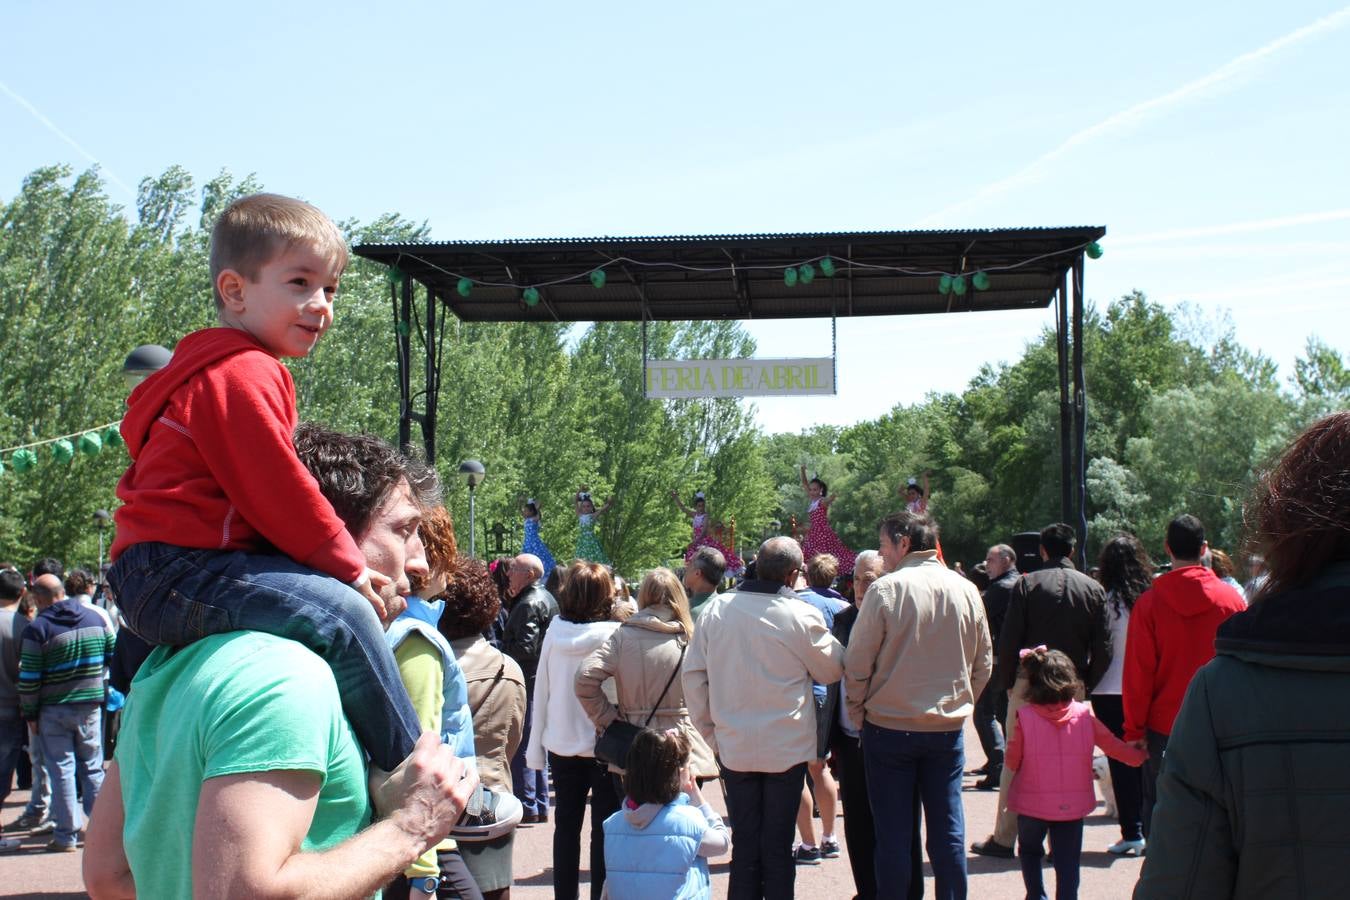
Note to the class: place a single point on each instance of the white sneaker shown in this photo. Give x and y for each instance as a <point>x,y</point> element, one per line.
<point>490,814</point>
<point>1127,848</point>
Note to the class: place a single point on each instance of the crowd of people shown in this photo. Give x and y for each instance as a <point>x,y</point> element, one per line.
<point>322,695</point>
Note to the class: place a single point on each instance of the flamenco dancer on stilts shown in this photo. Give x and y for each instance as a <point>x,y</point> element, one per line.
<point>534,544</point>
<point>703,535</point>
<point>916,501</point>
<point>588,545</point>
<point>820,537</point>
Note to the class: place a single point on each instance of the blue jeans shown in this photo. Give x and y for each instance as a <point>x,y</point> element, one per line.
<point>71,735</point>
<point>986,721</point>
<point>40,797</point>
<point>1066,842</point>
<point>174,596</point>
<point>11,745</point>
<point>529,785</point>
<point>899,764</point>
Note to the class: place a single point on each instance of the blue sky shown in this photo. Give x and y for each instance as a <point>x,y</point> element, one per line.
<point>1211,140</point>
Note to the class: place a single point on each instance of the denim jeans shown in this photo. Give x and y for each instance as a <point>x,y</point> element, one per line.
<point>1127,782</point>
<point>529,785</point>
<point>763,807</point>
<point>899,764</point>
<point>1066,842</point>
<point>11,746</point>
<point>71,735</point>
<point>576,778</point>
<point>174,596</point>
<point>989,727</point>
<point>40,797</point>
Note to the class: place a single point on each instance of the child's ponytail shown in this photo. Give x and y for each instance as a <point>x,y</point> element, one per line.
<point>1051,676</point>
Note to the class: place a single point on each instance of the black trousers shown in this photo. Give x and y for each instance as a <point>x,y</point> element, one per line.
<point>574,779</point>
<point>859,827</point>
<point>456,882</point>
<point>1127,782</point>
<point>763,807</point>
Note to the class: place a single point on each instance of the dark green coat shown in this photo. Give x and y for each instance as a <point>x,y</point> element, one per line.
<point>1254,796</point>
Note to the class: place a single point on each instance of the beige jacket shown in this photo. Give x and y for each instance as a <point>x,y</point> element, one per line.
<point>640,657</point>
<point>497,700</point>
<point>748,672</point>
<point>919,654</point>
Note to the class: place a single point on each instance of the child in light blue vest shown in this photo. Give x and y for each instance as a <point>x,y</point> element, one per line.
<point>657,845</point>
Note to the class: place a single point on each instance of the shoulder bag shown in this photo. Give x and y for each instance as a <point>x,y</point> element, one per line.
<point>615,741</point>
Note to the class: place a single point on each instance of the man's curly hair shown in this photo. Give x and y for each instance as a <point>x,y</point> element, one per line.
<point>356,472</point>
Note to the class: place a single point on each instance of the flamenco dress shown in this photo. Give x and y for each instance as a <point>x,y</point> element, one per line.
<point>701,538</point>
<point>822,539</point>
<point>535,544</point>
<point>588,545</point>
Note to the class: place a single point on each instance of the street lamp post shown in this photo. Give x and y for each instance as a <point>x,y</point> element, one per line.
<point>101,519</point>
<point>473,473</point>
<point>144,361</point>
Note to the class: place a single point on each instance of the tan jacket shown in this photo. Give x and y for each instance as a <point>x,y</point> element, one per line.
<point>640,657</point>
<point>748,672</point>
<point>919,654</point>
<point>497,701</point>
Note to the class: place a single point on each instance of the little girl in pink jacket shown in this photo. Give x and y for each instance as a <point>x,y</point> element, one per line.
<point>1050,754</point>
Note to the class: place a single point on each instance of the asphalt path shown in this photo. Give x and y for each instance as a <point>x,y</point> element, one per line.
<point>31,873</point>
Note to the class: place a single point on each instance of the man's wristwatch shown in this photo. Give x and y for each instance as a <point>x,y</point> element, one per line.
<point>427,885</point>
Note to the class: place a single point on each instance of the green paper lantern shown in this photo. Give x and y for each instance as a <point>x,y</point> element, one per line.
<point>598,278</point>
<point>531,296</point>
<point>90,443</point>
<point>464,287</point>
<point>959,285</point>
<point>112,436</point>
<point>63,451</point>
<point>23,460</point>
<point>402,328</point>
<point>806,273</point>
<point>981,281</point>
<point>827,266</point>
<point>790,277</point>
<point>945,285</point>
<point>1094,250</point>
<point>394,275</point>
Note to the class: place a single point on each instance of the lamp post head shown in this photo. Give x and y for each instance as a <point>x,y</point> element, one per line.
<point>473,472</point>
<point>102,518</point>
<point>143,362</point>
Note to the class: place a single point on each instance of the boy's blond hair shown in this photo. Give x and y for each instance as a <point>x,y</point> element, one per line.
<point>253,230</point>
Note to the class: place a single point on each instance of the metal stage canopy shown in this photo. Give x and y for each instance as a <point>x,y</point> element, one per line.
<point>745,277</point>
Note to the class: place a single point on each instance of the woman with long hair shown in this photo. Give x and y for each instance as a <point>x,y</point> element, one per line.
<point>1251,800</point>
<point>641,657</point>
<point>1125,573</point>
<point>561,734</point>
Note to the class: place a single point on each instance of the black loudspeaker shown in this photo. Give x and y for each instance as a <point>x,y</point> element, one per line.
<point>1027,546</point>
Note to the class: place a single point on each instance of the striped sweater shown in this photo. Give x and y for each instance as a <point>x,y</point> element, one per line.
<point>63,657</point>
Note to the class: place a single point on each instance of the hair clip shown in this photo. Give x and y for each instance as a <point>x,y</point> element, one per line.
<point>530,502</point>
<point>1027,651</point>
<point>698,495</point>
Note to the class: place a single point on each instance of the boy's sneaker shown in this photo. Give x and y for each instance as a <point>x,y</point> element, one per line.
<point>806,856</point>
<point>489,814</point>
<point>829,848</point>
<point>1127,848</point>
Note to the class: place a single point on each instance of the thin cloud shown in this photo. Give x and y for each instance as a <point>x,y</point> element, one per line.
<point>1128,118</point>
<point>51,126</point>
<point>1257,225</point>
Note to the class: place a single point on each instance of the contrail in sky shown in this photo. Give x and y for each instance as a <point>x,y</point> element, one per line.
<point>1257,225</point>
<point>51,126</point>
<point>1133,115</point>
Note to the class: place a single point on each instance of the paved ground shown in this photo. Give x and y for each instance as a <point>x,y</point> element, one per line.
<point>32,873</point>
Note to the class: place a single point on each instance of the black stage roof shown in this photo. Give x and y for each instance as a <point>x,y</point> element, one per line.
<point>877,273</point>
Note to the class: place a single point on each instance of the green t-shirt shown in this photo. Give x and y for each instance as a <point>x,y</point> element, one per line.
<point>225,705</point>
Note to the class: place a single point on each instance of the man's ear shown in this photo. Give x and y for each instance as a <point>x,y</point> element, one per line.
<point>230,288</point>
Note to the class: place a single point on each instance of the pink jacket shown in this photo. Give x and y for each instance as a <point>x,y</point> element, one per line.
<point>1056,741</point>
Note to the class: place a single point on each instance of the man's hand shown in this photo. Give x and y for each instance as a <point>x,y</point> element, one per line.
<point>425,796</point>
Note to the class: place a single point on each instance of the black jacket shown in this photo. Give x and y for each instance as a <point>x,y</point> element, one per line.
<point>526,623</point>
<point>1063,609</point>
<point>1251,800</point>
<point>996,599</point>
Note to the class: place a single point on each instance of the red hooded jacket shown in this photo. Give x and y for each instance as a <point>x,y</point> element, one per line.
<point>213,463</point>
<point>1171,635</point>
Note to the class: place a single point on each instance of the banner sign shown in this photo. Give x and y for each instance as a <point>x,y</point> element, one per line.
<point>689,378</point>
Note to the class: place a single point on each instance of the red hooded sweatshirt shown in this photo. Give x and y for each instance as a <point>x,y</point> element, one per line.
<point>1171,635</point>
<point>213,463</point>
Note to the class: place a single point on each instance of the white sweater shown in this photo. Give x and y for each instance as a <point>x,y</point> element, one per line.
<point>559,724</point>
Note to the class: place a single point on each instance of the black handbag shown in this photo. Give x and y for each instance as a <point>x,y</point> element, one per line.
<point>617,739</point>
